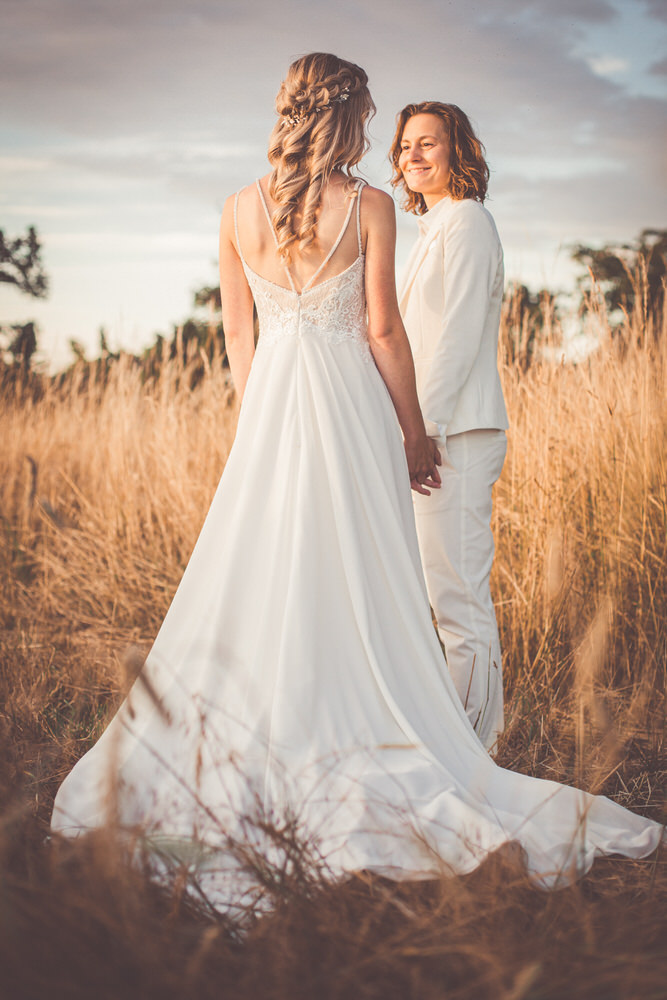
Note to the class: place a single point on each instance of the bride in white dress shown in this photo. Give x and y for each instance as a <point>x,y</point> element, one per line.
<point>297,675</point>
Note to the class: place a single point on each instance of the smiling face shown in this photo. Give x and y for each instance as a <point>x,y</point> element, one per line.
<point>424,158</point>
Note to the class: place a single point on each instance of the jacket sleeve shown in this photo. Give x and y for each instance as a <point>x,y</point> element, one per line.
<point>471,257</point>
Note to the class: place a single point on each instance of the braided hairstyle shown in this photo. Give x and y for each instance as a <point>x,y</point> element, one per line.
<point>323,106</point>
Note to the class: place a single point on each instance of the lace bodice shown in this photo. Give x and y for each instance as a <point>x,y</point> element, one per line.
<point>334,310</point>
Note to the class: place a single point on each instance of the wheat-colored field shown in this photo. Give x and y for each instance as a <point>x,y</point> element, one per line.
<point>102,494</point>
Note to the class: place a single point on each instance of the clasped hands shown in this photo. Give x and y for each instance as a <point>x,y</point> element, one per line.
<point>423,457</point>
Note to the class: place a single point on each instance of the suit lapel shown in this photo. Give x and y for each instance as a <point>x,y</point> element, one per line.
<point>417,255</point>
<point>440,211</point>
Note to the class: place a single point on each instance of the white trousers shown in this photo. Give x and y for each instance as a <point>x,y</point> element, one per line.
<point>456,545</point>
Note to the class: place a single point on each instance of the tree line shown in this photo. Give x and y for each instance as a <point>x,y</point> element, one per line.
<point>625,280</point>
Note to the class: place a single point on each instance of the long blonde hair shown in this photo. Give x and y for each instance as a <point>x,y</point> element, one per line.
<point>323,106</point>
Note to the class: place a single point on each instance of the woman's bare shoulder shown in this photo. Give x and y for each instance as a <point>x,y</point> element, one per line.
<point>245,196</point>
<point>377,209</point>
<point>377,199</point>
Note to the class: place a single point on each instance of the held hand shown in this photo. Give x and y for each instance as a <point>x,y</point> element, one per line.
<point>423,459</point>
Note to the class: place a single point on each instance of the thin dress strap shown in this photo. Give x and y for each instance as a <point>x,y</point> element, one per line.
<point>360,186</point>
<point>236,226</point>
<point>273,232</point>
<point>333,249</point>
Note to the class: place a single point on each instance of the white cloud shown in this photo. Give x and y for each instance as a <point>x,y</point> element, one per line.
<point>608,65</point>
<point>127,123</point>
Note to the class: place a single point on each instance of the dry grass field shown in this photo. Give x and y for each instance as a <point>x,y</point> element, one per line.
<point>101,497</point>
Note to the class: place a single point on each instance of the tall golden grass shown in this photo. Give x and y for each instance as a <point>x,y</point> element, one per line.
<point>103,491</point>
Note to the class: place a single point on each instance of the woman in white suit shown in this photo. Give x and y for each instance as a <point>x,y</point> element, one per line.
<point>450,301</point>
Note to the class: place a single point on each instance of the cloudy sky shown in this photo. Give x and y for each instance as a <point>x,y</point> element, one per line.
<point>125,124</point>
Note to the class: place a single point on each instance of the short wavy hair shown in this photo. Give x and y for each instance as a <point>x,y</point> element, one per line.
<point>323,108</point>
<point>469,171</point>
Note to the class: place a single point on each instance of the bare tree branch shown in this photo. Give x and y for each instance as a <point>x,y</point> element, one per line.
<point>21,264</point>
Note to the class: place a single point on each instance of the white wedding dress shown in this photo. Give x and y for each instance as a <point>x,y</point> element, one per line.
<point>297,672</point>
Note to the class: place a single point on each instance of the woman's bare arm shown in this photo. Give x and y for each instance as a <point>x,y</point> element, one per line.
<point>388,339</point>
<point>237,304</point>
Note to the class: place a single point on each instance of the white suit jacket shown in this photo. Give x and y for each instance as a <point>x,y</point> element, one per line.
<point>450,300</point>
